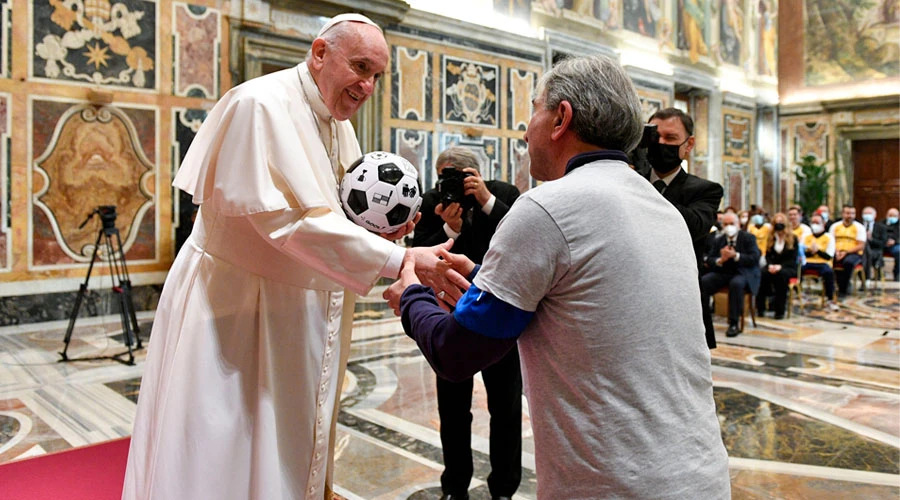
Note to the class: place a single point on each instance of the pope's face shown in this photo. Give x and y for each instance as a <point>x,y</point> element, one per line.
<point>347,70</point>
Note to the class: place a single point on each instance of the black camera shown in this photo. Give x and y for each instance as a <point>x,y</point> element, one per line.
<point>650,136</point>
<point>638,156</point>
<point>452,189</point>
<point>107,215</point>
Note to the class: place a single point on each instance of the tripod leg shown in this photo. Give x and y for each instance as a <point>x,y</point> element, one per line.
<point>82,290</point>
<point>126,287</point>
<point>120,291</point>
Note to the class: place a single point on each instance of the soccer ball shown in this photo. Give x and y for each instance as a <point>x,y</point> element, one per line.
<point>380,192</point>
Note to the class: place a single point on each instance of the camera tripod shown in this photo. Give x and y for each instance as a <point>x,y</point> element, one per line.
<point>121,288</point>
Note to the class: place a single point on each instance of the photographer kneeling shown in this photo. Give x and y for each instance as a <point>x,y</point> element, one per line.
<point>465,207</point>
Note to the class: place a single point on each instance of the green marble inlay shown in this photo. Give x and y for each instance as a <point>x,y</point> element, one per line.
<point>758,429</point>
<point>9,427</point>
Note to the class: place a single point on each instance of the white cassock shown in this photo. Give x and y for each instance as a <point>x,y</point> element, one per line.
<point>241,380</point>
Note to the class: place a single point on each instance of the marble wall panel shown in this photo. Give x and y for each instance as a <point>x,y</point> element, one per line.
<point>415,146</point>
<point>735,185</point>
<point>811,139</point>
<point>185,124</point>
<point>487,148</point>
<point>99,42</point>
<point>195,70</point>
<point>521,88</point>
<point>5,184</point>
<point>469,94</point>
<point>737,129</point>
<point>5,38</point>
<point>701,125</point>
<point>519,162</point>
<point>411,84</point>
<point>85,157</point>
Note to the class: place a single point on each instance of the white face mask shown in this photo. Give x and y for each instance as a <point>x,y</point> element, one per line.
<point>744,220</point>
<point>731,230</point>
<point>817,228</point>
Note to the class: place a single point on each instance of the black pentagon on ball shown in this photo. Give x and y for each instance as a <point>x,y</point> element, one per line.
<point>398,215</point>
<point>355,164</point>
<point>390,173</point>
<point>356,200</point>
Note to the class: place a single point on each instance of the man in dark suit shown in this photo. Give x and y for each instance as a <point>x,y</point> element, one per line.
<point>892,222</point>
<point>733,261</point>
<point>472,222</point>
<point>876,239</point>
<point>695,198</point>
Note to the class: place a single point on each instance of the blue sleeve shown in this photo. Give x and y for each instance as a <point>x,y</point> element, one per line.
<point>487,315</point>
<point>453,351</point>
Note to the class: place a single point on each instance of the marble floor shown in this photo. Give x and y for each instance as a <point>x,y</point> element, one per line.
<point>809,406</point>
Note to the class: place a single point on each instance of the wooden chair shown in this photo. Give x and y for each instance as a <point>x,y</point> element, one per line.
<point>749,303</point>
<point>857,278</point>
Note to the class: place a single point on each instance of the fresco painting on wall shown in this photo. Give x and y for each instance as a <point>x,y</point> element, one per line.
<point>415,146</point>
<point>411,84</point>
<point>850,40</point>
<point>768,37</point>
<point>731,31</point>
<point>95,156</point>
<point>470,94</point>
<point>196,65</point>
<point>518,9</point>
<point>642,16</point>
<point>106,43</point>
<point>693,27</point>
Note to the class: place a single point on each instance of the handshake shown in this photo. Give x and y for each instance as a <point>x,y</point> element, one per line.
<point>435,267</point>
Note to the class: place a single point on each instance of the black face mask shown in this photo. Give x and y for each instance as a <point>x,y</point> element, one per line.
<point>779,226</point>
<point>664,157</point>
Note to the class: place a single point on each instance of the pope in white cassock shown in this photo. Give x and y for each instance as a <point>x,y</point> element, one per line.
<point>252,331</point>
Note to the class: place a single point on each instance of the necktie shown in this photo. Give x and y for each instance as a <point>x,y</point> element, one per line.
<point>660,185</point>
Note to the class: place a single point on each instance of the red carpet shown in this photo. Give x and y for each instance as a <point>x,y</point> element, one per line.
<point>93,472</point>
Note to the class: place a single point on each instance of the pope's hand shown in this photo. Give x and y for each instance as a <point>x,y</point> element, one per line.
<point>403,231</point>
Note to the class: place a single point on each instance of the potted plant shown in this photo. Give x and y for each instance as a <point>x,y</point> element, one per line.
<point>812,184</point>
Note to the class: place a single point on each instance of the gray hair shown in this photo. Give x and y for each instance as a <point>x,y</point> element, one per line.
<point>606,109</point>
<point>459,157</point>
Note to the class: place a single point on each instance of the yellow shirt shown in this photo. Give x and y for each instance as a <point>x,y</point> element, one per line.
<point>762,235</point>
<point>824,242</point>
<point>847,237</point>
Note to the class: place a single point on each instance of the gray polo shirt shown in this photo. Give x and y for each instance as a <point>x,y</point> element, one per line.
<point>615,362</point>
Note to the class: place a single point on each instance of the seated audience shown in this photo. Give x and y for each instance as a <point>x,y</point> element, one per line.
<point>760,229</point>
<point>849,242</point>
<point>876,239</point>
<point>734,262</point>
<point>795,217</point>
<point>893,237</point>
<point>819,249</point>
<point>780,266</point>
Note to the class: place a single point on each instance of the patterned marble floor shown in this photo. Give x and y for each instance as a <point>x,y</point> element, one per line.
<point>809,406</point>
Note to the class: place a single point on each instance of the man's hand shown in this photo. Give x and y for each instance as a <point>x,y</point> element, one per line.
<point>839,255</point>
<point>891,242</point>
<point>451,214</point>
<point>407,277</point>
<point>814,248</point>
<point>474,185</point>
<point>727,253</point>
<point>403,231</point>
